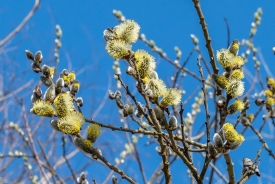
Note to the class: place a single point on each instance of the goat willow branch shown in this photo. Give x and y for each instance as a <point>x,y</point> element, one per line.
<point>206,36</point>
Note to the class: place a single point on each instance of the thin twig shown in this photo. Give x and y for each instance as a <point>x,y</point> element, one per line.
<point>230,168</point>
<point>67,161</point>
<point>19,27</point>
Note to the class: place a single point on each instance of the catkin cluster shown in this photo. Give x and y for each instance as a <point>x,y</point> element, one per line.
<point>227,139</point>
<point>142,69</point>
<point>142,64</point>
<point>59,100</point>
<point>270,93</point>
<point>231,79</point>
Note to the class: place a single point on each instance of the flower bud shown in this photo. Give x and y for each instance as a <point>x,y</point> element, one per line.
<point>234,47</point>
<point>36,67</point>
<point>79,101</point>
<point>74,87</point>
<point>65,72</point>
<point>139,112</point>
<point>60,83</point>
<point>54,125</point>
<point>29,55</point>
<point>172,123</point>
<point>221,100</point>
<point>46,71</point>
<point>118,94</point>
<point>83,144</point>
<point>38,57</point>
<point>119,102</point>
<point>114,180</point>
<point>50,94</point>
<point>111,95</point>
<point>72,77</point>
<point>46,81</point>
<point>130,109</point>
<point>160,116</point>
<point>218,142</point>
<point>245,121</point>
<point>259,102</point>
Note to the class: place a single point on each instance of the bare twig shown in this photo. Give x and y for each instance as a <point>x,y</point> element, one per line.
<point>24,21</point>
<point>230,168</point>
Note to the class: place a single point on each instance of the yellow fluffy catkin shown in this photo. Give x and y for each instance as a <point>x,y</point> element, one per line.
<point>118,49</point>
<point>43,108</point>
<point>93,132</point>
<point>63,104</point>
<point>127,31</point>
<point>71,123</point>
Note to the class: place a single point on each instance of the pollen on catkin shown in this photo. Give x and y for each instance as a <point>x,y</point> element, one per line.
<point>63,104</point>
<point>118,49</point>
<point>43,108</point>
<point>237,74</point>
<point>52,69</point>
<point>71,123</point>
<point>71,77</point>
<point>224,57</point>
<point>220,80</point>
<point>93,132</point>
<point>231,135</point>
<point>235,88</point>
<point>238,105</point>
<point>268,93</point>
<point>83,144</point>
<point>157,86</point>
<point>237,61</point>
<point>234,47</point>
<point>270,101</point>
<point>227,126</point>
<point>145,63</point>
<point>172,96</point>
<point>127,31</point>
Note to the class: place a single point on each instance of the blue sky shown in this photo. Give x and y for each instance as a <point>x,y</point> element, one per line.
<point>168,23</point>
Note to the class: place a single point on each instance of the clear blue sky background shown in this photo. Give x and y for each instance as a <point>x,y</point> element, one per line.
<point>169,24</point>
